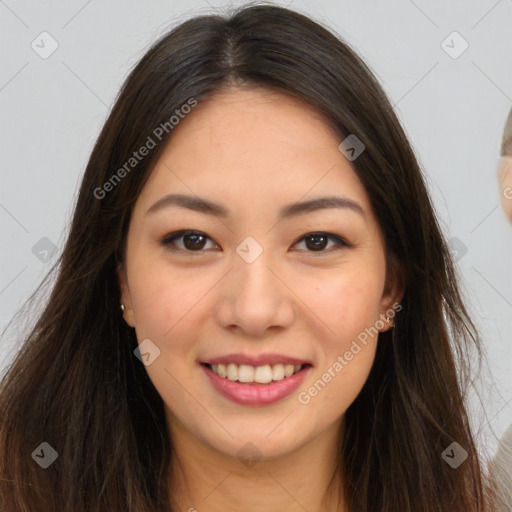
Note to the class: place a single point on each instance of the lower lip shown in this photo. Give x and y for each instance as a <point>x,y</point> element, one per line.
<point>255,394</point>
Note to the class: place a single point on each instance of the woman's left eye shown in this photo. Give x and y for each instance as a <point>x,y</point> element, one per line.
<point>196,241</point>
<point>318,242</point>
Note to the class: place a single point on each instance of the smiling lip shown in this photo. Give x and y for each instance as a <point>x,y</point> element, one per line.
<point>253,393</point>
<point>260,360</point>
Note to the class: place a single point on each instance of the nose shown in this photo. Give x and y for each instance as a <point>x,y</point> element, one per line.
<point>254,298</point>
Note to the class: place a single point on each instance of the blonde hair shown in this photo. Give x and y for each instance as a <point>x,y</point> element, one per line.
<point>500,473</point>
<point>506,143</point>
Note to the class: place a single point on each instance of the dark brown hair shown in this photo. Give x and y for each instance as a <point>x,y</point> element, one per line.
<point>75,382</point>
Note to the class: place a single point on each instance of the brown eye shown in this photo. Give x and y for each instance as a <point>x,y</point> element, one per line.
<point>194,241</point>
<point>190,241</point>
<point>318,242</point>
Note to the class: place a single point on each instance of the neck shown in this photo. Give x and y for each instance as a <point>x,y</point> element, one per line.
<point>207,480</point>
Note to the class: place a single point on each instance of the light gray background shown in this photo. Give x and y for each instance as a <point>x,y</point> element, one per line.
<point>453,109</point>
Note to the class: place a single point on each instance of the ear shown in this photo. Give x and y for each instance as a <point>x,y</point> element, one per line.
<point>126,300</point>
<point>505,179</point>
<point>392,295</point>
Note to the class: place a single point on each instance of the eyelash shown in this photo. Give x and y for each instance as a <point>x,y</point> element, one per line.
<point>171,237</point>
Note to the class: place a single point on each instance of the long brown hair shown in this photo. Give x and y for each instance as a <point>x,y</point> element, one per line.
<point>75,383</point>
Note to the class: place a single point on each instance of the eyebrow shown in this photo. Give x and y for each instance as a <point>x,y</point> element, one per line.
<point>205,206</point>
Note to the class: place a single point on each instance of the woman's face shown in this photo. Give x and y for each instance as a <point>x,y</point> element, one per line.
<point>250,286</point>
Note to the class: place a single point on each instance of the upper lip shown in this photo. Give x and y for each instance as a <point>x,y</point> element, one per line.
<point>253,360</point>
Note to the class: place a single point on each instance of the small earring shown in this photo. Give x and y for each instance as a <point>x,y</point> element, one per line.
<point>122,308</point>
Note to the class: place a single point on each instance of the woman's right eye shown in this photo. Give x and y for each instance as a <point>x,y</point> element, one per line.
<point>187,241</point>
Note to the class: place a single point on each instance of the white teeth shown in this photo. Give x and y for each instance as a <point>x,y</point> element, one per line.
<point>260,374</point>
<point>288,370</point>
<point>263,374</point>
<point>246,373</point>
<point>232,371</point>
<point>277,372</point>
<point>221,370</point>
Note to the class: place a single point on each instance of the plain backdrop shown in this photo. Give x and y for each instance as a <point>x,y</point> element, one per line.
<point>445,66</point>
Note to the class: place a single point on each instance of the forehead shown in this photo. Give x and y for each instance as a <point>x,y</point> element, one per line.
<point>252,145</point>
<point>250,119</point>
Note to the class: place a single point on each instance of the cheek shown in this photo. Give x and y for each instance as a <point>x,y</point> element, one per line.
<point>167,305</point>
<point>162,298</point>
<point>346,302</point>
<point>336,385</point>
<point>349,306</point>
